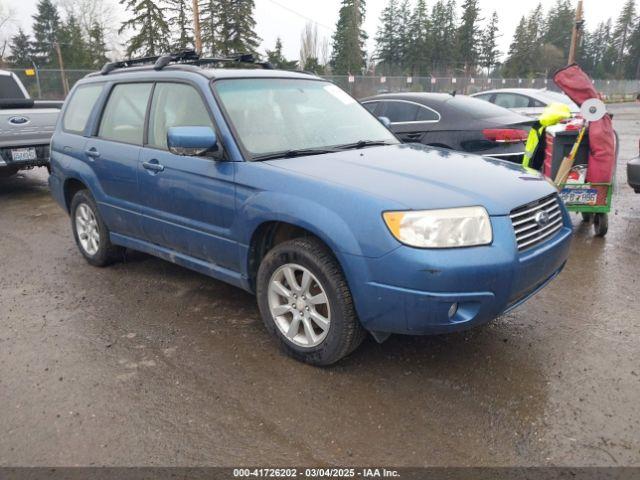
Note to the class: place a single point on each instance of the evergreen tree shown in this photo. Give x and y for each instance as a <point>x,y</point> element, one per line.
<point>21,49</point>
<point>236,27</point>
<point>46,26</point>
<point>515,64</point>
<point>276,58</point>
<point>387,39</point>
<point>405,37</point>
<point>443,34</point>
<point>73,47</point>
<point>489,52</point>
<point>420,51</point>
<point>559,26</point>
<point>349,39</point>
<point>632,61</point>
<point>148,21</point>
<point>97,46</point>
<point>181,19</point>
<point>468,36</point>
<point>622,32</point>
<point>209,25</point>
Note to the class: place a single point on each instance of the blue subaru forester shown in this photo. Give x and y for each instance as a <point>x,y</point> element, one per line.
<point>282,184</point>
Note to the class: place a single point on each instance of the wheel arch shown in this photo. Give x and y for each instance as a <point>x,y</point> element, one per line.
<point>72,186</point>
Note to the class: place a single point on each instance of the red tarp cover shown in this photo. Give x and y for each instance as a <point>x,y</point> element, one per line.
<point>602,151</point>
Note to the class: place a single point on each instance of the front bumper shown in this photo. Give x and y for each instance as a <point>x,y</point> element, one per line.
<point>41,160</point>
<point>412,291</point>
<point>633,174</point>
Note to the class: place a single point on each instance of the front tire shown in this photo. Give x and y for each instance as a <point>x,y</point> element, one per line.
<point>306,304</point>
<point>90,232</point>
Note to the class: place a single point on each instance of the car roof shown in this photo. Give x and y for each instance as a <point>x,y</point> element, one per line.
<point>206,72</point>
<point>418,97</point>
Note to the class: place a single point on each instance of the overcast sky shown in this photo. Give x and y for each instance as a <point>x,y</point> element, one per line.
<point>286,18</point>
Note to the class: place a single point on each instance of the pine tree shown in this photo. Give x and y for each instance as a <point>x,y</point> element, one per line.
<point>387,38</point>
<point>73,47</point>
<point>97,46</point>
<point>276,58</point>
<point>349,39</point>
<point>622,31</point>
<point>489,52</point>
<point>181,19</point>
<point>209,24</point>
<point>468,36</point>
<point>405,37</point>
<point>515,64</point>
<point>46,26</point>
<point>236,27</point>
<point>443,34</point>
<point>559,26</point>
<point>632,61</point>
<point>420,52</point>
<point>21,49</point>
<point>152,31</point>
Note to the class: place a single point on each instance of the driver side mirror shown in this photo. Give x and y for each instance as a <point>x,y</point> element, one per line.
<point>193,142</point>
<point>385,121</point>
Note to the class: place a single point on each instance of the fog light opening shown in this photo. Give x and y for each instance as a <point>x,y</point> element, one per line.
<point>453,309</point>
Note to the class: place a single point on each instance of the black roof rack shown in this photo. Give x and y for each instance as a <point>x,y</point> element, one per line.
<point>185,57</point>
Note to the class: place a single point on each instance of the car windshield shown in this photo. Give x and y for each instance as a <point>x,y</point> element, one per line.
<point>276,115</point>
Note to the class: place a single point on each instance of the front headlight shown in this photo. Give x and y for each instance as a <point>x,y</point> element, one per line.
<point>449,228</point>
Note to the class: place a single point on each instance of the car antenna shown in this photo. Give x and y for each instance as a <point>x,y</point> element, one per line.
<point>453,94</point>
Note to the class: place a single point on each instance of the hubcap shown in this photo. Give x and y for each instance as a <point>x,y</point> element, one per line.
<point>87,229</point>
<point>299,305</point>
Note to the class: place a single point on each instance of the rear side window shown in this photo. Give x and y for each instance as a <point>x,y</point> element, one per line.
<point>123,117</point>
<point>80,106</point>
<point>175,105</point>
<point>427,115</point>
<point>9,88</point>
<point>398,112</point>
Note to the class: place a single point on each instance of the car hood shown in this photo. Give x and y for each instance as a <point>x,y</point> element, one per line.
<point>421,177</point>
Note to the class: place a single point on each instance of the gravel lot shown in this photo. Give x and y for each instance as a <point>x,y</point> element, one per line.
<point>147,363</point>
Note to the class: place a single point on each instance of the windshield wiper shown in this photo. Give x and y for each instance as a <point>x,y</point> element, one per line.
<point>301,152</point>
<point>363,144</point>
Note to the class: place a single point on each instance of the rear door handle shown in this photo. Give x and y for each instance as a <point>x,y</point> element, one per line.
<point>153,166</point>
<point>92,153</point>
<point>412,136</point>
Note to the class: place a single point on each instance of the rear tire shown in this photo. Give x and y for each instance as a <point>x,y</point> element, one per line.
<point>601,224</point>
<point>292,312</point>
<point>90,232</point>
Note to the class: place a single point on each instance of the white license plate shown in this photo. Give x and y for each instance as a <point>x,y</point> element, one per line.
<point>24,154</point>
<point>579,196</point>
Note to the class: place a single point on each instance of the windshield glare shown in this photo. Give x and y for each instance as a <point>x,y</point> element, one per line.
<point>279,115</point>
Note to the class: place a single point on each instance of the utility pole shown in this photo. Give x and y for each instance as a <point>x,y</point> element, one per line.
<point>196,27</point>
<point>65,85</point>
<point>575,36</point>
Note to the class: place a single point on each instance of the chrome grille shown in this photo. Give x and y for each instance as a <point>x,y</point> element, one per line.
<point>528,231</point>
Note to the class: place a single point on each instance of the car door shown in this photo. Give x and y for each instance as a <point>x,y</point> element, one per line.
<point>409,120</point>
<point>188,203</point>
<point>114,154</point>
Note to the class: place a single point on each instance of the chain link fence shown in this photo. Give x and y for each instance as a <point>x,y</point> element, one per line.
<point>51,84</point>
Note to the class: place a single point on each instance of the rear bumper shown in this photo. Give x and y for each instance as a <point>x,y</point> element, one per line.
<point>42,158</point>
<point>633,174</point>
<point>416,291</point>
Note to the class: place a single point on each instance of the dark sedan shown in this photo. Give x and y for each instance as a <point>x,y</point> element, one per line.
<point>455,122</point>
<point>633,172</point>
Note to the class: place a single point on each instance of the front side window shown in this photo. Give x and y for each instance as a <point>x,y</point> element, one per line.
<point>123,117</point>
<point>80,106</point>
<point>175,105</point>
<point>511,100</point>
<point>272,115</point>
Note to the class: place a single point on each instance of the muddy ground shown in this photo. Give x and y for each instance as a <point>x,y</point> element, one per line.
<point>147,363</point>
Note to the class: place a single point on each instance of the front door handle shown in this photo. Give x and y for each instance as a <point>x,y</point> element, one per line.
<point>92,152</point>
<point>153,166</point>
